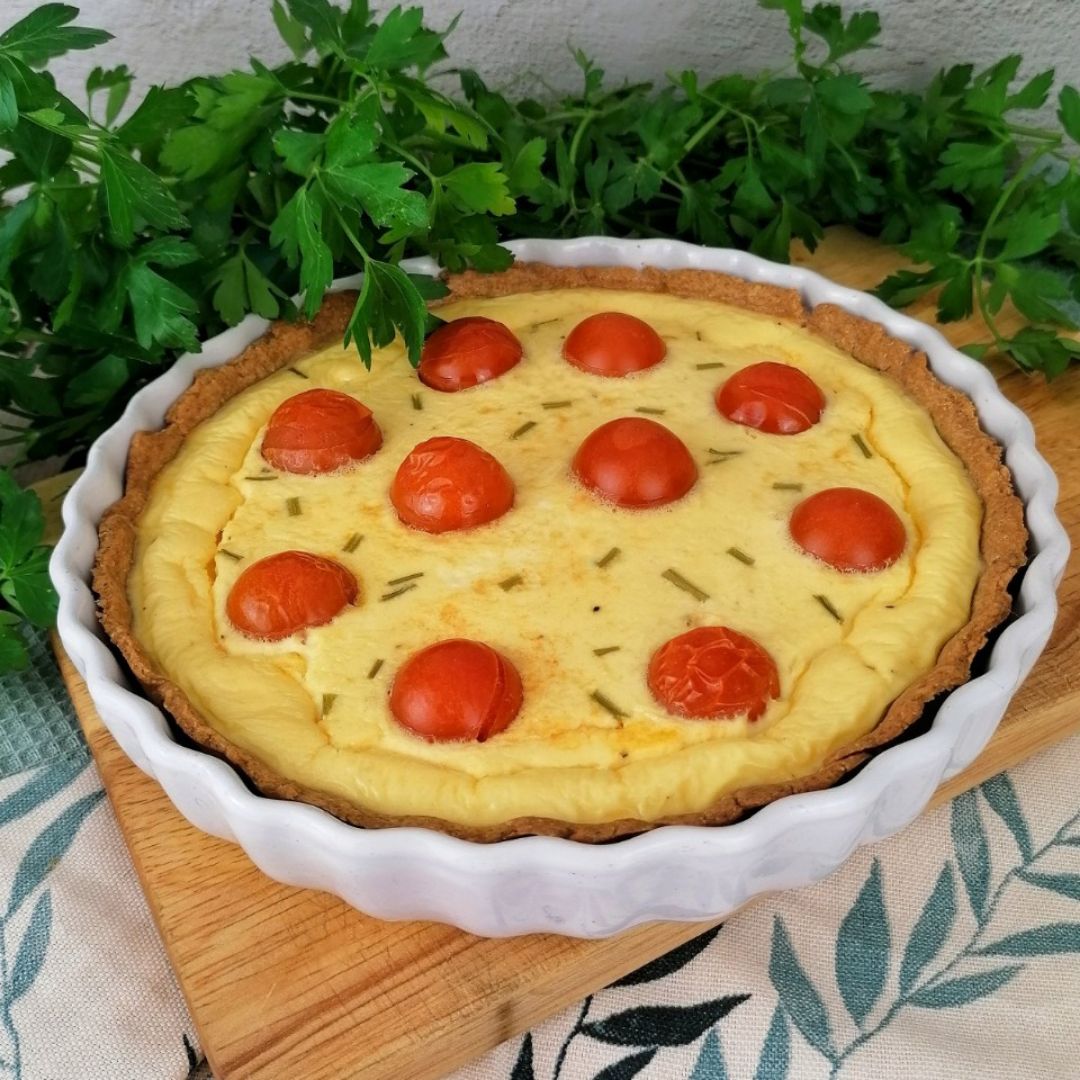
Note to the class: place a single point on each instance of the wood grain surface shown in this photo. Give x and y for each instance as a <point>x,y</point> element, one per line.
<point>285,982</point>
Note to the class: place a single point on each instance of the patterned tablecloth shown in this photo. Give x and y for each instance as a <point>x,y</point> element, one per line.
<point>949,951</point>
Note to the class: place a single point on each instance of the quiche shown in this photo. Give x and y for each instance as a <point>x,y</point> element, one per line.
<point>630,548</point>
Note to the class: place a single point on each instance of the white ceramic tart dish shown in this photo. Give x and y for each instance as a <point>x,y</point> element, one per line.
<point>543,883</point>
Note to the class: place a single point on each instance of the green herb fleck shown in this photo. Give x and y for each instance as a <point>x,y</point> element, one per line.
<point>826,603</point>
<point>297,371</point>
<point>720,456</point>
<point>610,557</point>
<point>711,366</point>
<point>527,426</point>
<point>293,506</point>
<point>738,553</point>
<point>398,592</point>
<point>230,554</point>
<point>375,668</point>
<point>650,411</point>
<point>353,543</point>
<point>328,702</point>
<point>860,442</point>
<point>606,649</point>
<point>608,705</point>
<point>555,404</point>
<point>260,478</point>
<point>511,582</point>
<point>787,487</point>
<point>406,577</point>
<point>680,582</point>
<point>417,403</point>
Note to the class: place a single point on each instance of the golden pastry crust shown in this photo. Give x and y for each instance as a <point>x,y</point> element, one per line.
<point>1003,537</point>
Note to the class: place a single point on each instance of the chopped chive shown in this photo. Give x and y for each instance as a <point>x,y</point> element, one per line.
<point>680,582</point>
<point>827,605</point>
<point>720,456</point>
<point>546,322</point>
<point>710,366</point>
<point>787,487</point>
<point>328,702</point>
<point>260,477</point>
<point>738,553</point>
<point>353,543</point>
<point>375,669</point>
<point>860,442</point>
<point>608,705</point>
<point>511,582</point>
<point>650,412</point>
<point>293,506</point>
<point>417,403</point>
<point>697,334</point>
<point>606,649</point>
<point>527,426</point>
<point>230,554</point>
<point>407,577</point>
<point>555,404</point>
<point>611,556</point>
<point>297,371</point>
<point>398,592</point>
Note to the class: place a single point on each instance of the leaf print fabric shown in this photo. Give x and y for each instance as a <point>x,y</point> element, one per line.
<point>949,952</point>
<point>85,990</point>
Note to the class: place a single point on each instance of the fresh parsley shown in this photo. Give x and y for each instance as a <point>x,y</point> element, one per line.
<point>24,571</point>
<point>131,230</point>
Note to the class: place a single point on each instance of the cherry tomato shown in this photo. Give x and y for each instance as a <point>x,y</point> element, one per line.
<point>447,483</point>
<point>713,672</point>
<point>613,344</point>
<point>319,431</point>
<point>771,397</point>
<point>466,352</point>
<point>849,529</point>
<point>635,462</point>
<point>456,690</point>
<point>287,592</point>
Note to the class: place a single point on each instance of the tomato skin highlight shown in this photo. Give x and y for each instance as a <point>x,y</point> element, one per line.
<point>456,690</point>
<point>319,431</point>
<point>446,484</point>
<point>613,344</point>
<point>467,352</point>
<point>775,398</point>
<point>288,592</point>
<point>850,529</point>
<point>635,463</point>
<point>713,672</point>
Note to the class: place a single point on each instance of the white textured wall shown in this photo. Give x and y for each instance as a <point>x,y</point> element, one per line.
<point>517,43</point>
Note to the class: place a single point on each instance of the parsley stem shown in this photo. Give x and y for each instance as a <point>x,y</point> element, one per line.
<point>353,239</point>
<point>322,99</point>
<point>1042,134</point>
<point>980,259</point>
<point>704,129</point>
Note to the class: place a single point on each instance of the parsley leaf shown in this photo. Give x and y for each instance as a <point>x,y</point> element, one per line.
<point>24,567</point>
<point>298,231</point>
<point>45,34</point>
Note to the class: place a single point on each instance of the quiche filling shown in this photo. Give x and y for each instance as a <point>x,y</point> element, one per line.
<point>577,593</point>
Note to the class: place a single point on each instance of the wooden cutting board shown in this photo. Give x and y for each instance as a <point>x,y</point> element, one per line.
<point>286,982</point>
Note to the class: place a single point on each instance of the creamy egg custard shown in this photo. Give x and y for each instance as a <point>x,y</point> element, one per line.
<point>576,592</point>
